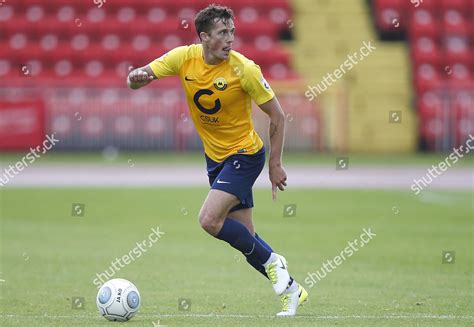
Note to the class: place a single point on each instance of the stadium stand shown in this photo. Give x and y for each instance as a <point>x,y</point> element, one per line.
<point>440,35</point>
<point>70,60</point>
<point>69,42</point>
<point>357,107</point>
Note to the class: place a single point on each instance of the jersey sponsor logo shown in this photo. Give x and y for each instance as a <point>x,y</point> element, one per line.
<point>220,83</point>
<point>209,120</point>
<point>207,111</point>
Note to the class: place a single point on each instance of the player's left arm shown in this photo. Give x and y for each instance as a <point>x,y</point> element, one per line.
<point>277,135</point>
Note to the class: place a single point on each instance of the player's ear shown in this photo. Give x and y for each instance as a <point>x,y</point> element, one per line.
<point>204,36</point>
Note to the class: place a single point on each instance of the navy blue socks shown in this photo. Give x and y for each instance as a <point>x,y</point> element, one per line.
<point>239,237</point>
<point>255,249</point>
<point>259,267</point>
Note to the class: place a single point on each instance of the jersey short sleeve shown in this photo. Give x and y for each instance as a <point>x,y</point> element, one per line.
<point>170,63</point>
<point>255,84</point>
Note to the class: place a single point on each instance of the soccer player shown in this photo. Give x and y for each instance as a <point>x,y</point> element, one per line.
<point>220,85</point>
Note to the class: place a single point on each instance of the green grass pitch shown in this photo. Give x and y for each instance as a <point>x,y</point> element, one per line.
<point>49,256</point>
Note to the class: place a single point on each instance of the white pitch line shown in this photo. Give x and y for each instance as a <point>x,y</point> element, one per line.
<point>446,317</point>
<point>361,317</point>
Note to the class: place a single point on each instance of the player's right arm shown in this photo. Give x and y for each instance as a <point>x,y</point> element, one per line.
<point>168,64</point>
<point>140,77</point>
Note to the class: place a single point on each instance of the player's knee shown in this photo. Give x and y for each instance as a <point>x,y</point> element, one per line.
<point>210,223</point>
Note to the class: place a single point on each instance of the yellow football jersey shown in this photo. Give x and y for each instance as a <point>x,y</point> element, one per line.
<point>219,98</point>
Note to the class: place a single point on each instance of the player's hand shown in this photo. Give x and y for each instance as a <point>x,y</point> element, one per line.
<point>278,179</point>
<point>140,77</point>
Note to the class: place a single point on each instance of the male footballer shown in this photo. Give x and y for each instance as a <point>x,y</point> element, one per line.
<point>220,85</point>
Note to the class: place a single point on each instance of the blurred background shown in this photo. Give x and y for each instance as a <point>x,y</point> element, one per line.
<point>127,161</point>
<point>63,67</point>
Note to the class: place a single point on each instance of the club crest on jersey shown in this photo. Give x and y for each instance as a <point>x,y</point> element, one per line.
<point>220,83</point>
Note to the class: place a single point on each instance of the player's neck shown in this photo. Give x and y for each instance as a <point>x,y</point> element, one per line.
<point>210,59</point>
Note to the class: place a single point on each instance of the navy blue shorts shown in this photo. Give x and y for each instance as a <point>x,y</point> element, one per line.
<point>236,175</point>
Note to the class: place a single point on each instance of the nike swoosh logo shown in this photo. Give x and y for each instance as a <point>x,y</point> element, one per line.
<point>253,247</point>
<point>189,79</point>
<point>282,265</point>
<point>222,182</point>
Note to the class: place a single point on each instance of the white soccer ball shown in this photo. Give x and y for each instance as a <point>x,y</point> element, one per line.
<point>118,300</point>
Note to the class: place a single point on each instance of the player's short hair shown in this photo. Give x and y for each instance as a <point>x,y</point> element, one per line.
<point>207,17</point>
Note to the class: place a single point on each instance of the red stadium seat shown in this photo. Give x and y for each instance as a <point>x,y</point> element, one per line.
<point>427,78</point>
<point>7,18</point>
<point>463,109</point>
<point>455,24</point>
<point>389,15</point>
<point>11,63</point>
<point>425,50</point>
<point>423,23</point>
<point>461,77</point>
<point>433,123</point>
<point>457,50</point>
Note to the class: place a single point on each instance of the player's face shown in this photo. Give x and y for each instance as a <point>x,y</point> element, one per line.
<point>220,39</point>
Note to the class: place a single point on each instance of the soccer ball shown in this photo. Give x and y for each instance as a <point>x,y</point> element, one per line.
<point>118,300</point>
